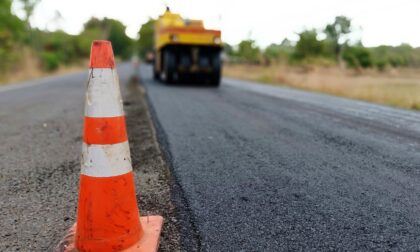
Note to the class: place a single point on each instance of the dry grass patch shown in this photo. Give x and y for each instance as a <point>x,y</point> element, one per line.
<point>400,88</point>
<point>30,68</point>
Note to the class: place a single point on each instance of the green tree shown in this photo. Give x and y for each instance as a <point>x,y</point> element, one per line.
<point>11,33</point>
<point>336,33</point>
<point>248,51</point>
<point>400,56</point>
<point>10,25</point>
<point>272,52</point>
<point>58,48</point>
<point>228,50</point>
<point>357,57</point>
<point>121,43</point>
<point>278,52</point>
<point>146,37</point>
<point>108,29</point>
<point>28,8</point>
<point>308,46</point>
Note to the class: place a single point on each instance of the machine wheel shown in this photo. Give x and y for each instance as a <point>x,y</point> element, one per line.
<point>217,69</point>
<point>156,75</point>
<point>168,73</point>
<point>215,79</point>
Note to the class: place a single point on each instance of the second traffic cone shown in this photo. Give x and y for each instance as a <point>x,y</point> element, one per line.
<point>107,216</point>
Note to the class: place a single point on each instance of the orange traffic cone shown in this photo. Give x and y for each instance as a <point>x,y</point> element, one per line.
<point>107,215</point>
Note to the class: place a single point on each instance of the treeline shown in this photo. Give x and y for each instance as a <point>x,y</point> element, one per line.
<point>328,46</point>
<point>53,49</point>
<point>61,48</point>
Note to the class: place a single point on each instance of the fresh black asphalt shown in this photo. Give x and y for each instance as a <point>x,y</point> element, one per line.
<point>255,167</point>
<point>264,168</point>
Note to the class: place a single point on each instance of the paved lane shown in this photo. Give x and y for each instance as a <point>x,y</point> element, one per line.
<point>271,169</point>
<point>40,131</point>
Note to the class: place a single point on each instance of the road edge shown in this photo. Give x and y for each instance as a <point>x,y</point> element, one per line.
<point>190,236</point>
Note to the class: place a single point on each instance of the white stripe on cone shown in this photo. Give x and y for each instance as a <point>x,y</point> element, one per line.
<point>106,160</point>
<point>103,96</point>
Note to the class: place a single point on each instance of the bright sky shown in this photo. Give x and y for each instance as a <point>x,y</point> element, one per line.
<point>389,22</point>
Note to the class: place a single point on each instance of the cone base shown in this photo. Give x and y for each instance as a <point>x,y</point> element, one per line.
<point>149,242</point>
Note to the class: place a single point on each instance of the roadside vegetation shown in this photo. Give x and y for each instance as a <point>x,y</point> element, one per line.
<point>330,60</point>
<point>28,52</point>
<point>399,87</point>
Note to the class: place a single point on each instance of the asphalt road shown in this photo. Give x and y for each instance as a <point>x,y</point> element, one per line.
<point>256,168</point>
<point>40,132</point>
<point>264,168</point>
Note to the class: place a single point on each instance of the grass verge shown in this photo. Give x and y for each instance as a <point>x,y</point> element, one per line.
<point>398,88</point>
<point>30,68</point>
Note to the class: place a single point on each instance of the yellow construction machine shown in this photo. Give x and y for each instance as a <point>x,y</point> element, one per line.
<point>186,51</point>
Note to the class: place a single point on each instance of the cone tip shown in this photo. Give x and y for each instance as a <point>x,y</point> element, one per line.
<point>101,54</point>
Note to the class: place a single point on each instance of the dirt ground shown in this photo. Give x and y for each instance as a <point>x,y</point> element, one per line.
<point>152,174</point>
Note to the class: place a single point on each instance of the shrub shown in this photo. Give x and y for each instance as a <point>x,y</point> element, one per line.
<point>357,57</point>
<point>50,61</point>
